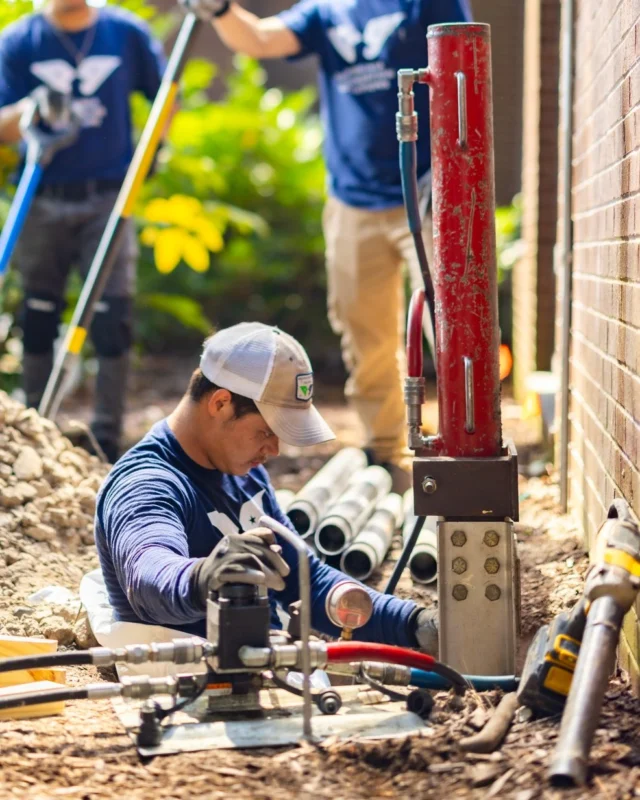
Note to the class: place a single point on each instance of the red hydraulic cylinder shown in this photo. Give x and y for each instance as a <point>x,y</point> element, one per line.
<point>464,272</point>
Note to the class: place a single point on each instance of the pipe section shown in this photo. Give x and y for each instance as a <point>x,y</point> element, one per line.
<point>370,547</point>
<point>284,498</point>
<point>345,519</point>
<point>312,501</point>
<point>423,561</point>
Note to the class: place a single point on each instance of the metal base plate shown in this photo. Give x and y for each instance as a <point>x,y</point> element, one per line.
<point>279,723</point>
<point>477,596</point>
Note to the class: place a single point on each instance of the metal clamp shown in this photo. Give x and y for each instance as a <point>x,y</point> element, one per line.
<point>469,402</point>
<point>461,79</point>
<point>305,612</point>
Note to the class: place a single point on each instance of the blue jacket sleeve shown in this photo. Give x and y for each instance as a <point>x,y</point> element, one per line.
<point>145,519</point>
<point>392,621</point>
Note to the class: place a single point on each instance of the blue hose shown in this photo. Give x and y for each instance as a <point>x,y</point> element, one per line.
<point>482,683</point>
<point>18,212</point>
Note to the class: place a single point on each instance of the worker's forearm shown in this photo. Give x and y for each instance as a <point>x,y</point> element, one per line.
<point>244,32</point>
<point>10,121</point>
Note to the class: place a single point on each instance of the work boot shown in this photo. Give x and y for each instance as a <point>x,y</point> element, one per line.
<point>36,369</point>
<point>111,392</point>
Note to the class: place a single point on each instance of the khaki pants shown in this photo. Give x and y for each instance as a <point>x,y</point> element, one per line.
<point>366,253</point>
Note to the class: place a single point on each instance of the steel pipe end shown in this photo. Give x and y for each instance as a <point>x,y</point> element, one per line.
<point>331,539</point>
<point>358,563</point>
<point>423,567</point>
<point>568,772</point>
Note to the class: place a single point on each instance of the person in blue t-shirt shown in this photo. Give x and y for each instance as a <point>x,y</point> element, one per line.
<point>99,57</point>
<point>178,514</point>
<point>360,45</point>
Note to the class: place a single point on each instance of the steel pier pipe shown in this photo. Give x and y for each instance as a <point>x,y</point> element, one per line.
<point>464,270</point>
<point>311,502</point>
<point>423,562</point>
<point>370,547</point>
<point>345,519</point>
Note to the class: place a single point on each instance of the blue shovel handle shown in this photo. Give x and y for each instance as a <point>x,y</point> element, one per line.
<point>18,213</point>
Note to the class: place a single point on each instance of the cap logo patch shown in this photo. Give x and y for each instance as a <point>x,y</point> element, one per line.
<point>304,386</point>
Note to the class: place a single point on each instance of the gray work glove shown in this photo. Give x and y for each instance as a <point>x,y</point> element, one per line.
<point>252,557</point>
<point>427,631</point>
<point>206,10</point>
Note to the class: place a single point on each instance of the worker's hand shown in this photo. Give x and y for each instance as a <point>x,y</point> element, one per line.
<point>427,631</point>
<point>205,10</point>
<point>252,557</point>
<point>53,107</point>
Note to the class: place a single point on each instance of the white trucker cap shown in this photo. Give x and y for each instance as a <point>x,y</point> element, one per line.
<point>271,368</point>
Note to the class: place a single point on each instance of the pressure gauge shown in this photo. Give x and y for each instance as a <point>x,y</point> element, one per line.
<point>349,606</point>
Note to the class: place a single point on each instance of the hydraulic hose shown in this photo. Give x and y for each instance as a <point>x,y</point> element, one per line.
<point>481,683</point>
<point>72,657</point>
<point>188,650</point>
<point>409,176</point>
<point>35,698</point>
<point>369,651</point>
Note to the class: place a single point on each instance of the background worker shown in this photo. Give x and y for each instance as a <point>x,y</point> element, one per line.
<point>99,56</point>
<point>177,516</point>
<point>360,45</point>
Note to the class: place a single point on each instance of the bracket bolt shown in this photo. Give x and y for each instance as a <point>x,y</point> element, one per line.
<point>429,485</point>
<point>458,538</point>
<point>492,592</point>
<point>460,592</point>
<point>459,565</point>
<point>492,565</point>
<point>491,538</point>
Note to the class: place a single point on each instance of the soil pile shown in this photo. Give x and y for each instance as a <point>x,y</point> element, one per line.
<point>47,501</point>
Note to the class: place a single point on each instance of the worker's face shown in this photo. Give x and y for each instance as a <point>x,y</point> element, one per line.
<point>233,445</point>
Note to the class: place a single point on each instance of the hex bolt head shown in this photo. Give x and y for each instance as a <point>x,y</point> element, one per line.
<point>458,538</point>
<point>460,592</point>
<point>491,538</point>
<point>459,565</point>
<point>491,565</point>
<point>429,485</point>
<point>492,592</point>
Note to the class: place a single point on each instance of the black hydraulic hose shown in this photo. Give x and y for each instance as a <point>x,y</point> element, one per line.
<point>35,698</point>
<point>459,683</point>
<point>66,659</point>
<point>408,174</point>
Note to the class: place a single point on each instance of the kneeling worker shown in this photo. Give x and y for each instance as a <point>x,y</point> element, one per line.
<point>177,516</point>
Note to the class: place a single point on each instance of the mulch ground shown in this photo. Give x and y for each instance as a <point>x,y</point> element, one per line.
<point>85,755</point>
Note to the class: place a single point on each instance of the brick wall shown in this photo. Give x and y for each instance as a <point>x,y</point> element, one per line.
<point>533,278</point>
<point>604,457</point>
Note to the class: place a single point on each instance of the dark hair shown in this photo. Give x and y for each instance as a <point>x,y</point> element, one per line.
<point>200,387</point>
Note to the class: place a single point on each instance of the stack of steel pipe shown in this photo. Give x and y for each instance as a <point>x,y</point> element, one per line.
<point>346,517</point>
<point>370,547</point>
<point>312,501</point>
<point>423,563</point>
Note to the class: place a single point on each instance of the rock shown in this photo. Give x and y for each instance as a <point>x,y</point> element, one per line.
<point>26,491</point>
<point>56,628</point>
<point>28,465</point>
<point>42,488</point>
<point>41,532</point>
<point>10,497</point>
<point>83,634</point>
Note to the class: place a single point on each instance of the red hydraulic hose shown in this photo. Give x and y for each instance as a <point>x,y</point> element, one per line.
<point>340,652</point>
<point>414,334</point>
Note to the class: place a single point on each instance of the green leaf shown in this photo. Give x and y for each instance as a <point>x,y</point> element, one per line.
<point>185,310</point>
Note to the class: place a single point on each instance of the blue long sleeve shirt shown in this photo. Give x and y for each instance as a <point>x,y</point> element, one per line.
<point>158,512</point>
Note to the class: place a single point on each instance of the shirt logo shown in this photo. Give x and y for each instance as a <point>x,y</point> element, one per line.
<point>346,38</point>
<point>92,72</point>
<point>250,513</point>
